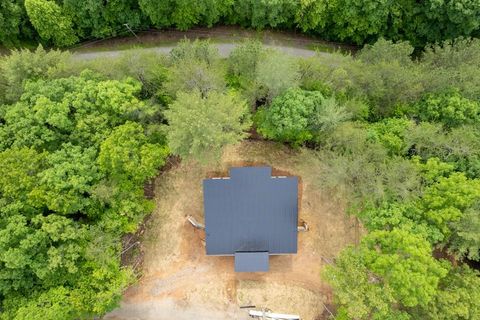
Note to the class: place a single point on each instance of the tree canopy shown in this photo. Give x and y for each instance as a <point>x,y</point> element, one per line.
<point>419,23</point>
<point>63,142</point>
<point>388,272</point>
<point>199,127</point>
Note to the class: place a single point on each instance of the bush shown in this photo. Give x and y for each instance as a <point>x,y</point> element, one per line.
<point>449,108</point>
<point>391,133</point>
<point>300,116</point>
<point>453,64</point>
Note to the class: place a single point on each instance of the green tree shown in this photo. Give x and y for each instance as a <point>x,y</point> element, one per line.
<point>51,22</point>
<point>96,289</point>
<point>100,19</point>
<point>383,76</point>
<point>260,14</point>
<point>311,15</point>
<point>446,201</point>
<point>82,109</point>
<point>444,210</point>
<point>288,118</point>
<point>73,162</point>
<point>184,14</point>
<point>199,127</point>
<point>364,20</point>
<point>451,18</point>
<point>391,215</point>
<point>276,73</point>
<point>328,116</point>
<point>298,116</point>
<point>388,273</point>
<point>18,177</point>
<point>459,146</point>
<point>358,172</point>
<point>125,205</point>
<point>448,108</point>
<point>71,172</point>
<point>191,75</point>
<point>432,169</point>
<point>465,240</point>
<point>244,59</point>
<point>198,50</point>
<point>452,64</point>
<point>39,252</point>
<point>391,133</point>
<point>127,155</point>
<point>195,66</point>
<point>10,15</point>
<point>387,51</point>
<point>22,65</point>
<point>457,297</point>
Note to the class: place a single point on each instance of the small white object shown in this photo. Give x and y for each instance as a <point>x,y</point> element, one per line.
<point>273,316</point>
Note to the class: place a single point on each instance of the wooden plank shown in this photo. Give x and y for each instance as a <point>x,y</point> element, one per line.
<point>271,315</point>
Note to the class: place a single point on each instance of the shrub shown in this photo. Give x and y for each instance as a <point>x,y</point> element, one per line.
<point>299,116</point>
<point>449,108</point>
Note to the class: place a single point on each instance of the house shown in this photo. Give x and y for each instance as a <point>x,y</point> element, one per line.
<point>251,215</point>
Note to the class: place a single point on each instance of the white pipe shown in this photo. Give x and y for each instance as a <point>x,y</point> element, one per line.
<point>194,223</point>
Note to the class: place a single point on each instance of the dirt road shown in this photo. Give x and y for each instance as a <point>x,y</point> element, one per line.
<point>223,48</point>
<point>225,38</point>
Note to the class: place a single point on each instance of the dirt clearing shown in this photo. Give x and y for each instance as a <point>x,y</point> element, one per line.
<point>180,282</point>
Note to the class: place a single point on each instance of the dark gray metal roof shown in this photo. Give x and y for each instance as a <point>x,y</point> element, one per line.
<point>251,211</point>
<point>251,261</point>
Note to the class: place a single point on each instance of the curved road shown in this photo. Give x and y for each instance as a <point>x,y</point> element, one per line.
<point>223,48</point>
<point>224,38</point>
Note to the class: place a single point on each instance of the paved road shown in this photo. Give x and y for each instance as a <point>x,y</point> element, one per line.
<point>223,48</point>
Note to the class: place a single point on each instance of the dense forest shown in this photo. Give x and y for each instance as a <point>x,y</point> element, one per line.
<point>396,139</point>
<point>65,22</point>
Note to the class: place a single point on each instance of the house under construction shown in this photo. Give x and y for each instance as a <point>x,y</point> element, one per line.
<point>251,215</point>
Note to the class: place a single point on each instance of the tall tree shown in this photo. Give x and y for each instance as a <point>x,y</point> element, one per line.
<point>388,273</point>
<point>276,73</point>
<point>72,173</point>
<point>457,297</point>
<point>127,155</point>
<point>10,15</point>
<point>199,127</point>
<point>23,65</point>
<point>51,23</point>
<point>99,19</point>
<point>184,13</point>
<point>465,240</point>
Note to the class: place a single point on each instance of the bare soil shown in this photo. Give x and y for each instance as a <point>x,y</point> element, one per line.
<point>180,282</point>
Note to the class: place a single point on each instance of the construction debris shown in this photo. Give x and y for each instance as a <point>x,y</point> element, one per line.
<point>268,315</point>
<point>303,227</point>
